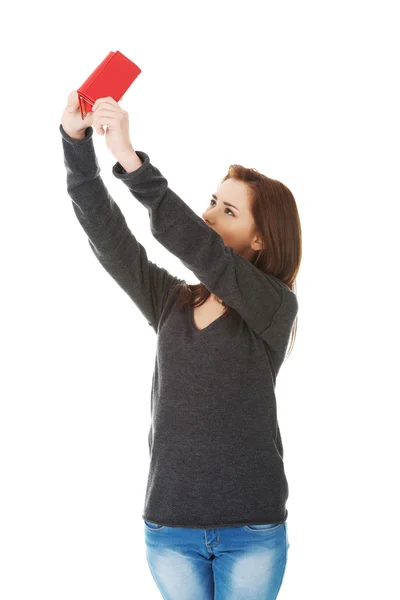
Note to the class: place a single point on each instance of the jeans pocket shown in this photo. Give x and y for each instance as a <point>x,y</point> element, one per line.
<point>263,527</point>
<point>153,526</point>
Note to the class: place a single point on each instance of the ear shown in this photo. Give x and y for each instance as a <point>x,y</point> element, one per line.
<point>257,244</point>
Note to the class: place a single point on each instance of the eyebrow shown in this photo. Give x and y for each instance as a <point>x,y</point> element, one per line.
<point>227,203</point>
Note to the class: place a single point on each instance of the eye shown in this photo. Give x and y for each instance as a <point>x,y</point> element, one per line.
<point>212,200</point>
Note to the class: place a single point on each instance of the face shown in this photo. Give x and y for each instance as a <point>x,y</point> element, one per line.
<point>236,225</point>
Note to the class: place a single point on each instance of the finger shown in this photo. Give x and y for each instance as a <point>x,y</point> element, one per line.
<point>111,100</point>
<point>104,115</point>
<point>99,127</point>
<point>102,119</point>
<point>96,108</point>
<point>73,101</point>
<point>108,100</point>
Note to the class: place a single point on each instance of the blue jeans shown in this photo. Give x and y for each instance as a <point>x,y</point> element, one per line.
<point>230,563</point>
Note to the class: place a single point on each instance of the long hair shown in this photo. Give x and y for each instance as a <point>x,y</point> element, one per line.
<point>277,220</point>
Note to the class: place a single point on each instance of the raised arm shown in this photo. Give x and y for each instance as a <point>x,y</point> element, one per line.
<point>265,303</point>
<point>109,236</point>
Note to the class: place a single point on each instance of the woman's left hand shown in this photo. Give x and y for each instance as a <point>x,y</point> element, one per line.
<point>107,112</point>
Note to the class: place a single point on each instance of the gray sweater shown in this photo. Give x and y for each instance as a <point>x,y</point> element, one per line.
<point>216,455</point>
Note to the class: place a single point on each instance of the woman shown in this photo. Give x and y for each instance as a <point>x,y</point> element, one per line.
<point>215,506</point>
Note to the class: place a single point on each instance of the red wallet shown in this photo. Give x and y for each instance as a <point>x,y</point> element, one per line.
<point>114,75</point>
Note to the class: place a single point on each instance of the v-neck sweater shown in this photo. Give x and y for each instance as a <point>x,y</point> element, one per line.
<point>215,449</point>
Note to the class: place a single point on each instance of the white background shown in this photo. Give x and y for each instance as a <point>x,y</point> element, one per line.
<point>306,93</point>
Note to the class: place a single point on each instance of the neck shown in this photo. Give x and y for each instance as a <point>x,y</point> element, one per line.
<point>214,298</point>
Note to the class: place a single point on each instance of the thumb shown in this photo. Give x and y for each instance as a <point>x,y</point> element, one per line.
<point>73,101</point>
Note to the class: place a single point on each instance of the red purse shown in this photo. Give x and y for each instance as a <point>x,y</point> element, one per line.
<point>114,75</point>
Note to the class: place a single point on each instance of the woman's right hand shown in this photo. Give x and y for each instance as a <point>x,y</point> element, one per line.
<point>72,121</point>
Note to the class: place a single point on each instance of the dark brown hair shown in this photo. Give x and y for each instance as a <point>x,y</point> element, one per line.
<point>277,220</point>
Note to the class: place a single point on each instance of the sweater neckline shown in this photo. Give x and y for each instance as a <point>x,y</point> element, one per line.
<point>209,327</point>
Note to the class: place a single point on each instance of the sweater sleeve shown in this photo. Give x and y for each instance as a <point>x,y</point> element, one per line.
<point>109,237</point>
<point>265,303</point>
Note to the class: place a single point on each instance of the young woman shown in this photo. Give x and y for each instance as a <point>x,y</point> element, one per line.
<point>215,505</point>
